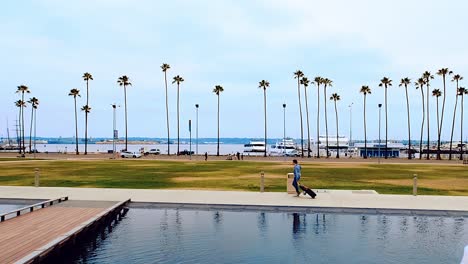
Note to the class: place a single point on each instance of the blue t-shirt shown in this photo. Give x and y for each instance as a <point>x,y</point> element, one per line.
<point>297,172</point>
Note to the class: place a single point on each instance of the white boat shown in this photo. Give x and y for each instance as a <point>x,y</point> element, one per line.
<point>254,147</point>
<point>285,146</point>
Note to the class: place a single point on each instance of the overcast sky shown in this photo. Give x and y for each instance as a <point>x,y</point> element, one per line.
<point>48,45</point>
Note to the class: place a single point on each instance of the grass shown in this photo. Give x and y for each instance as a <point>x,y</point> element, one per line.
<point>235,175</point>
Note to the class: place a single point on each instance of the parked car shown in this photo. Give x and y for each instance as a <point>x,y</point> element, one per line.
<point>153,152</point>
<point>185,152</point>
<point>128,154</point>
<point>293,153</point>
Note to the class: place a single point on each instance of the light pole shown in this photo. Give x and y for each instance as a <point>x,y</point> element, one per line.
<point>114,132</point>
<point>196,130</point>
<point>350,124</point>
<point>190,132</point>
<point>380,108</point>
<point>284,130</point>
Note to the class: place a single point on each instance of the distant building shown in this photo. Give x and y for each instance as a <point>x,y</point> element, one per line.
<point>374,149</point>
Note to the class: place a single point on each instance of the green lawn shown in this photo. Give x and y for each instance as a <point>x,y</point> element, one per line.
<point>236,175</point>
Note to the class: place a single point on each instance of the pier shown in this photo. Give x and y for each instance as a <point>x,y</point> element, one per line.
<point>32,234</point>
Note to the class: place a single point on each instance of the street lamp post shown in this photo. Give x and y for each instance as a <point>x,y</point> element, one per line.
<point>196,130</point>
<point>114,131</point>
<point>380,108</point>
<point>284,130</point>
<point>351,124</point>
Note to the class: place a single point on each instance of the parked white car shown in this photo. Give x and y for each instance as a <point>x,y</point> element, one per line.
<point>128,154</point>
<point>153,152</point>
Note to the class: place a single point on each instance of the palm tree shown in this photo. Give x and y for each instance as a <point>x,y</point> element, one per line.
<point>217,90</point>
<point>75,92</point>
<point>385,82</point>
<point>298,75</point>
<point>87,77</point>
<point>442,72</point>
<point>305,82</point>
<point>34,102</point>
<point>86,109</point>
<point>456,78</point>
<point>177,79</point>
<point>164,68</point>
<point>427,78</point>
<point>437,93</point>
<point>20,104</point>
<point>405,82</point>
<point>318,80</point>
<point>326,83</point>
<point>125,81</point>
<point>420,85</point>
<point>335,97</point>
<point>365,90</point>
<point>22,89</point>
<point>461,92</point>
<point>264,85</point>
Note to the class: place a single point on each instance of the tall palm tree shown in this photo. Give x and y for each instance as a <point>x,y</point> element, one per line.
<point>442,72</point>
<point>335,97</point>
<point>456,78</point>
<point>318,81</point>
<point>386,82</point>
<point>177,79</point>
<point>437,93</point>
<point>20,104</point>
<point>87,77</point>
<point>264,85</point>
<point>405,82</point>
<point>75,92</point>
<point>461,92</point>
<point>86,109</point>
<point>326,83</point>
<point>217,90</point>
<point>365,90</point>
<point>164,68</point>
<point>305,82</point>
<point>420,85</point>
<point>427,78</point>
<point>298,75</point>
<point>34,103</point>
<point>125,81</point>
<point>22,89</point>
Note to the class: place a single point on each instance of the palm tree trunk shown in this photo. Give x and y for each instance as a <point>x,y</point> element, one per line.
<point>300,115</point>
<point>76,129</point>
<point>178,135</point>
<point>318,121</point>
<point>264,108</point>
<point>386,124</point>
<point>307,116</point>
<point>217,150</point>
<point>31,127</point>
<point>167,116</point>
<point>22,121</point>
<point>365,130</point>
<point>86,120</point>
<point>441,123</point>
<point>438,125</point>
<point>422,123</point>
<point>453,123</point>
<point>337,134</point>
<point>461,129</point>
<point>428,126</point>
<point>126,124</point>
<point>18,137</point>
<point>326,118</point>
<point>409,127</point>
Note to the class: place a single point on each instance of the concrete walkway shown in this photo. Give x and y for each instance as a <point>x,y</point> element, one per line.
<point>330,200</point>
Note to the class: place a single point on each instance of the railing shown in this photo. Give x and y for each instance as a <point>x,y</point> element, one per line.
<point>31,208</point>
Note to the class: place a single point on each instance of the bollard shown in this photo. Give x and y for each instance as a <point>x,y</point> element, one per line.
<point>36,177</point>
<point>262,181</point>
<point>415,184</point>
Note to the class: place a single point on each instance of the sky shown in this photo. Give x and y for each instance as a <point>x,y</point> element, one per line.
<point>49,44</point>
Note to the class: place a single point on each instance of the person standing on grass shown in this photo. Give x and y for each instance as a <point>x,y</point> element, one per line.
<point>297,176</point>
<point>206,156</point>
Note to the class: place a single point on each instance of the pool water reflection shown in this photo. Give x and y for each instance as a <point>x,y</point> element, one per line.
<point>189,236</point>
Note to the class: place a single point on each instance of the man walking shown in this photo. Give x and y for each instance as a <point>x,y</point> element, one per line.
<point>297,176</point>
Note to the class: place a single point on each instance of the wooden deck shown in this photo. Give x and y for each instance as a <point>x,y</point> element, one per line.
<point>25,234</point>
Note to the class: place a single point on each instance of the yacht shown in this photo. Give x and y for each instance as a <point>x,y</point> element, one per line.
<point>254,147</point>
<point>285,146</point>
